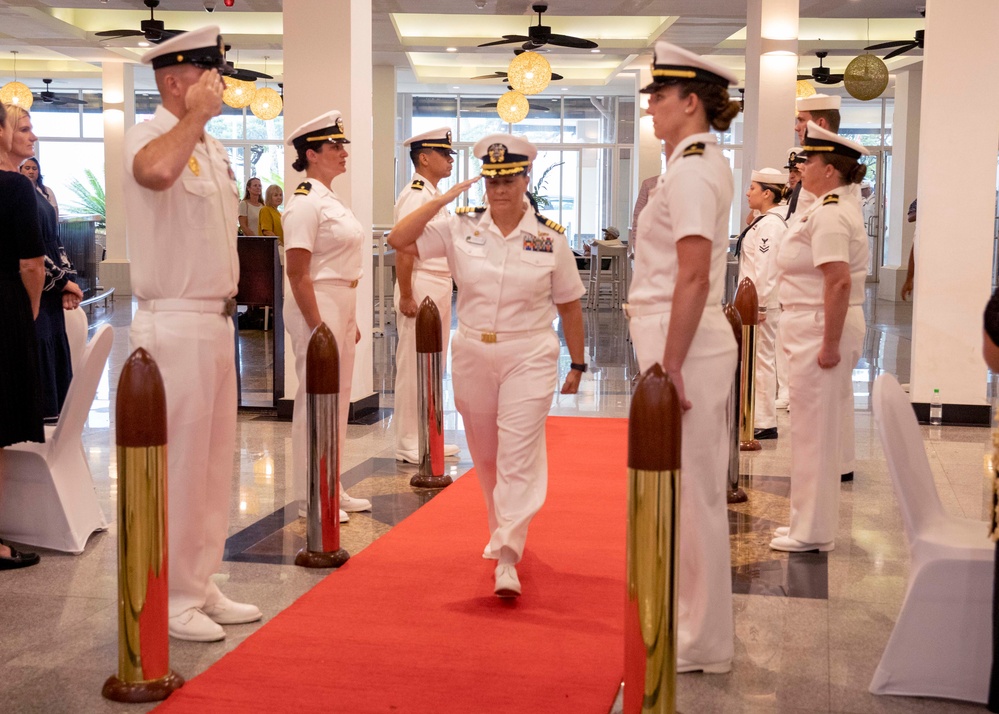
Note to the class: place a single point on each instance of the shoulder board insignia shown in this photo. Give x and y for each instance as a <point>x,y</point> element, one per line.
<point>303,189</point>
<point>831,198</point>
<point>192,163</point>
<point>694,149</point>
<point>469,210</point>
<point>416,185</point>
<point>549,223</point>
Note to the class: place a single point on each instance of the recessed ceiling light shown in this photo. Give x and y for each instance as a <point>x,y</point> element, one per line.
<point>456,87</point>
<point>565,89</point>
<point>143,44</point>
<point>452,49</point>
<point>596,52</point>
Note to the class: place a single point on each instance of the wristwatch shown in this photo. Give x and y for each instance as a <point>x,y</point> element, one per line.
<point>577,366</point>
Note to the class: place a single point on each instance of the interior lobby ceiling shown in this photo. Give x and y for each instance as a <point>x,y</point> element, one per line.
<point>55,38</point>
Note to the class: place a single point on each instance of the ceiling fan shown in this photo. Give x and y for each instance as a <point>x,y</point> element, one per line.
<point>821,74</point>
<point>492,105</point>
<point>152,30</point>
<point>49,97</point>
<point>902,46</point>
<point>503,76</point>
<point>540,35</point>
<point>245,75</point>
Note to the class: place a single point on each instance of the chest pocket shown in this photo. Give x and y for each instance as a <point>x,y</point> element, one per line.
<point>470,260</point>
<point>536,273</point>
<point>201,199</point>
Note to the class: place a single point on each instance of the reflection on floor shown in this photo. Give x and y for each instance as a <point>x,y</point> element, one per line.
<point>810,628</point>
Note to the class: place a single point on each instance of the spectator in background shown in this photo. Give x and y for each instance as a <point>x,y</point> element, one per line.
<point>643,198</point>
<point>270,217</point>
<point>33,171</point>
<point>249,208</point>
<point>910,273</point>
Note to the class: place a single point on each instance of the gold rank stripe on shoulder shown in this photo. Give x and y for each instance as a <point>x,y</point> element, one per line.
<point>469,210</point>
<point>831,198</point>
<point>694,149</point>
<point>303,189</point>
<point>550,223</point>
<point>417,185</point>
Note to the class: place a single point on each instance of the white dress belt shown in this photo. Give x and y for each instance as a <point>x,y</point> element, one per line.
<point>642,310</point>
<point>490,337</point>
<point>221,306</point>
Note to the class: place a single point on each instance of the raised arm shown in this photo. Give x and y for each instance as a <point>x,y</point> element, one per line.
<point>404,233</point>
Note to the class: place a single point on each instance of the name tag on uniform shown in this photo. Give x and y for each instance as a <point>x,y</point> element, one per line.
<point>476,239</point>
<point>538,244</point>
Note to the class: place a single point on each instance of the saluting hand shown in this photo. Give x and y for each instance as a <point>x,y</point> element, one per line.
<point>460,188</point>
<point>204,97</point>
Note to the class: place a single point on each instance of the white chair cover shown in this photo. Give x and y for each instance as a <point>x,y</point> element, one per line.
<point>77,325</point>
<point>941,643</point>
<point>47,496</point>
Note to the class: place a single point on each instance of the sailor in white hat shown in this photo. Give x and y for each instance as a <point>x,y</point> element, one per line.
<point>515,271</point>
<point>682,241</point>
<point>822,267</point>
<point>757,252</point>
<point>432,158</point>
<point>323,248</point>
<point>823,109</point>
<point>180,217</point>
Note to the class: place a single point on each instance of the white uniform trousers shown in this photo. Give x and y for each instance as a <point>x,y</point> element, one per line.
<point>337,307</point>
<point>765,416</point>
<point>705,632</point>
<point>503,392</point>
<point>773,314</point>
<point>818,398</point>
<point>195,356</point>
<point>405,417</point>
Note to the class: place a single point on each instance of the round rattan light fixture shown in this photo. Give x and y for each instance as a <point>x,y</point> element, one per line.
<point>804,88</point>
<point>15,92</point>
<point>529,73</point>
<point>866,77</point>
<point>266,104</point>
<point>512,107</point>
<point>238,93</point>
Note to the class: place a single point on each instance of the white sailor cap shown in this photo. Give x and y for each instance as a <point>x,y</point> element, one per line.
<point>202,48</point>
<point>504,154</point>
<point>770,176</point>
<point>822,141</point>
<point>439,138</point>
<point>325,127</point>
<point>671,63</point>
<point>794,158</point>
<point>817,102</point>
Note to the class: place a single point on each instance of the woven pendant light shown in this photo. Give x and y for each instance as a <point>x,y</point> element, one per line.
<point>267,104</point>
<point>866,77</point>
<point>804,88</point>
<point>529,73</point>
<point>15,92</point>
<point>512,107</point>
<point>238,93</point>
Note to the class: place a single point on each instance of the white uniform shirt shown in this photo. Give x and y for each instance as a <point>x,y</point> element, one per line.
<point>182,241</point>
<point>692,198</point>
<point>504,284</point>
<point>830,230</point>
<point>759,254</point>
<point>322,224</point>
<point>417,193</point>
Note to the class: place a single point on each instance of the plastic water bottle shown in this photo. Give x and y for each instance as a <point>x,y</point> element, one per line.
<point>936,409</point>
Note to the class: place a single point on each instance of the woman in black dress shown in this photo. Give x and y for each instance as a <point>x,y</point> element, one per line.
<point>60,292</point>
<point>22,275</point>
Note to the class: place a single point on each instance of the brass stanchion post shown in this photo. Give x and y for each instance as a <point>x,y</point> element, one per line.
<point>747,302</point>
<point>735,493</point>
<point>650,647</point>
<point>430,391</point>
<point>322,501</point>
<point>144,673</point>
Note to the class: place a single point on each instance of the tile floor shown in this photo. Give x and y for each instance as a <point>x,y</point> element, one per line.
<point>810,628</point>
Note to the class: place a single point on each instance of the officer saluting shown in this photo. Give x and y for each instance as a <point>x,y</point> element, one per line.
<point>416,279</point>
<point>180,212</point>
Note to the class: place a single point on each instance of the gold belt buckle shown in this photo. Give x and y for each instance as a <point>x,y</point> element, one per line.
<point>353,284</point>
<point>489,337</point>
<point>627,313</point>
<point>230,307</point>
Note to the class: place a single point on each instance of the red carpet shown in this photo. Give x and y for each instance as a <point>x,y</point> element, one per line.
<point>411,624</point>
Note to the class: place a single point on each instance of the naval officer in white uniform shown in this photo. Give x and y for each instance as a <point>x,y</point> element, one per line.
<point>432,158</point>
<point>515,272</point>
<point>676,320</point>
<point>180,216</point>
<point>822,266</point>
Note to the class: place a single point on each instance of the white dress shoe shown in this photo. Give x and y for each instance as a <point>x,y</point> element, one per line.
<point>353,505</point>
<point>782,530</point>
<point>194,625</point>
<point>412,457</point>
<point>228,612</point>
<point>791,545</point>
<point>488,553</point>
<point>302,513</point>
<point>683,665</point>
<point>507,582</point>
<point>451,450</point>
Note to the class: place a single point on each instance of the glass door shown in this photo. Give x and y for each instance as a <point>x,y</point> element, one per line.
<point>874,193</point>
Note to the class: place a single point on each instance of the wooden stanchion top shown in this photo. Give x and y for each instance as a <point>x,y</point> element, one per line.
<point>428,328</point>
<point>747,302</point>
<point>140,406</point>
<point>735,322</point>
<point>654,423</point>
<point>322,363</point>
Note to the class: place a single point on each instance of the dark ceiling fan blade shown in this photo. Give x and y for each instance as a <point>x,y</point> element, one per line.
<point>50,98</point>
<point>246,75</point>
<point>828,79</point>
<point>804,76</point>
<point>119,33</point>
<point>494,75</point>
<point>886,45</point>
<point>569,41</point>
<point>901,50</point>
<point>507,39</point>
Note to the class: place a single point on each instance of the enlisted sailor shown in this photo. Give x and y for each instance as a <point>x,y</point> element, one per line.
<point>515,272</point>
<point>793,166</point>
<point>323,247</point>
<point>676,320</point>
<point>180,217</point>
<point>822,264</point>
<point>432,158</point>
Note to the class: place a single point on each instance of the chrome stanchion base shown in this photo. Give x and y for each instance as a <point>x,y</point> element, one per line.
<point>421,481</point>
<point>737,496</point>
<point>751,445</point>
<point>313,559</point>
<point>155,690</point>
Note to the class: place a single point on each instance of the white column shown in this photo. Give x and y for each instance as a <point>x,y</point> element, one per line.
<point>650,149</point>
<point>954,249</point>
<point>118,90</point>
<point>904,170</point>
<point>327,65</point>
<point>383,157</point>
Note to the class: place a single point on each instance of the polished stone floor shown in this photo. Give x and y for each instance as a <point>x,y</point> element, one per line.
<point>810,628</point>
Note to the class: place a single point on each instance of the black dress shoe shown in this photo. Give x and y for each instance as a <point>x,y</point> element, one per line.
<point>17,559</point>
<point>846,477</point>
<point>761,434</point>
